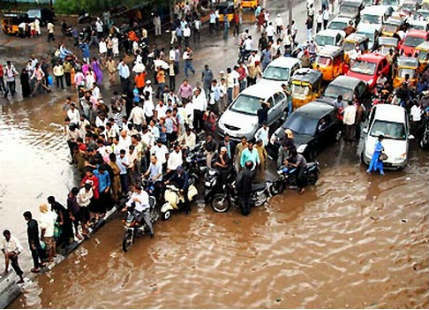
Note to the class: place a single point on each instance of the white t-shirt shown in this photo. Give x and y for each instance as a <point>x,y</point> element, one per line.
<point>416,113</point>
<point>47,222</point>
<point>160,152</point>
<point>174,160</point>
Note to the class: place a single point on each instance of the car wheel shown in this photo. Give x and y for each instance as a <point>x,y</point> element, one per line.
<point>338,135</point>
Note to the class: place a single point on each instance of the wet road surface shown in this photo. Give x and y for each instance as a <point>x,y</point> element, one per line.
<point>353,240</point>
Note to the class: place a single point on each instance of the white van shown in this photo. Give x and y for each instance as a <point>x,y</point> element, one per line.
<point>391,121</point>
<point>376,15</point>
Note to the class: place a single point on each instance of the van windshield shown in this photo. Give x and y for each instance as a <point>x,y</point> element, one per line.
<point>371,19</point>
<point>390,130</point>
<point>246,104</point>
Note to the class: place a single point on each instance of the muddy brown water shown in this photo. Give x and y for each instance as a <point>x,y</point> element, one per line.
<point>351,241</point>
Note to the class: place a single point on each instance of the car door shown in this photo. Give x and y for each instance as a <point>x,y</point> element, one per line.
<point>271,111</point>
<point>280,105</point>
<point>324,127</point>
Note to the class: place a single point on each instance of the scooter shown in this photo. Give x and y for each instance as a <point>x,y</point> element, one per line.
<point>174,199</point>
<point>132,228</point>
<point>222,202</point>
<point>288,177</point>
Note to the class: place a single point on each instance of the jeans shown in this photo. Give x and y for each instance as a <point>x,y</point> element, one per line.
<point>145,215</point>
<point>68,78</point>
<point>10,88</point>
<point>229,94</point>
<point>188,66</point>
<point>15,265</point>
<point>37,255</point>
<point>124,182</point>
<point>243,85</point>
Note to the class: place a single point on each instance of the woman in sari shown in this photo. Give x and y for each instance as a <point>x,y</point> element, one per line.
<point>96,67</point>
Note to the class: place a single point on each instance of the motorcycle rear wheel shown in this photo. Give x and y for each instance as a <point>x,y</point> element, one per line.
<point>312,178</point>
<point>127,241</point>
<point>220,203</point>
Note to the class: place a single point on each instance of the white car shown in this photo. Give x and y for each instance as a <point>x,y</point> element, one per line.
<point>371,32</point>
<point>329,37</point>
<point>339,23</point>
<point>279,71</point>
<point>241,119</point>
<point>391,121</point>
<point>375,15</point>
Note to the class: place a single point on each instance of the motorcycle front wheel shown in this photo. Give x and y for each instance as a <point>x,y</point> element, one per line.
<point>220,203</point>
<point>260,199</point>
<point>277,188</point>
<point>127,241</point>
<point>312,178</point>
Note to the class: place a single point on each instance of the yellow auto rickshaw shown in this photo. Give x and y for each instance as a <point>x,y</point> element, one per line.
<point>422,54</point>
<point>406,66</point>
<point>351,42</point>
<point>226,9</point>
<point>249,4</point>
<point>11,21</point>
<point>306,86</point>
<point>330,62</point>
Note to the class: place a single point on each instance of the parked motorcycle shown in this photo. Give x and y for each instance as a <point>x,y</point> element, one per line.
<point>213,185</point>
<point>288,177</point>
<point>424,141</point>
<point>195,162</point>
<point>222,202</point>
<point>174,199</point>
<point>132,228</point>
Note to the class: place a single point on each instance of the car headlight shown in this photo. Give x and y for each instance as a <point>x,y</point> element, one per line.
<point>402,157</point>
<point>301,148</point>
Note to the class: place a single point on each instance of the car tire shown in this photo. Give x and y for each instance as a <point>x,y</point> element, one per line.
<point>338,135</point>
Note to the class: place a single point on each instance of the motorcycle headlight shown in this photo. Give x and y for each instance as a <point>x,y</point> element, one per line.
<point>212,172</point>
<point>301,148</point>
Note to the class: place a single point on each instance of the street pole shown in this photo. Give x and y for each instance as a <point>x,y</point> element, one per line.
<point>290,4</point>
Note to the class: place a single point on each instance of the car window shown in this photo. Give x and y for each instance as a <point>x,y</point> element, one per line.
<point>270,102</point>
<point>361,89</point>
<point>278,97</point>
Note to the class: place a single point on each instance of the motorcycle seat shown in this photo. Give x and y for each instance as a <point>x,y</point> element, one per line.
<point>258,187</point>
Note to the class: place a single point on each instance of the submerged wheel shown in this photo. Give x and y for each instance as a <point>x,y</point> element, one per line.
<point>220,203</point>
<point>312,178</point>
<point>127,241</point>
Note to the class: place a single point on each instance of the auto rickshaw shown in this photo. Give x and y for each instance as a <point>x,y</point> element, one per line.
<point>227,9</point>
<point>306,86</point>
<point>392,26</point>
<point>351,42</point>
<point>249,4</point>
<point>385,44</point>
<point>11,21</point>
<point>422,54</point>
<point>406,65</point>
<point>330,62</point>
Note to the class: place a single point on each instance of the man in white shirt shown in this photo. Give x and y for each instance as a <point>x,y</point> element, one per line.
<point>270,31</point>
<point>50,27</point>
<point>160,151</point>
<point>141,205</point>
<point>189,139</point>
<point>11,248</point>
<point>73,114</point>
<point>349,118</point>
<point>199,103</point>
<point>262,134</point>
<point>161,110</point>
<point>137,116</point>
<point>175,159</point>
<point>279,24</point>
<point>124,140</point>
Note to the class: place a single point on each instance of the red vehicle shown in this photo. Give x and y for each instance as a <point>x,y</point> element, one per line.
<point>411,40</point>
<point>369,67</point>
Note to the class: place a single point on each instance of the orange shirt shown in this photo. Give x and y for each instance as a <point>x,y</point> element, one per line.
<point>140,80</point>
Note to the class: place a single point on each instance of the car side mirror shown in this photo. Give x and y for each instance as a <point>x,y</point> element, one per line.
<point>365,130</point>
<point>411,137</point>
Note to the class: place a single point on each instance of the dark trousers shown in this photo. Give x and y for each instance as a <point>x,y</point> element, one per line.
<point>124,182</point>
<point>197,36</point>
<point>68,78</point>
<point>37,255</point>
<point>60,81</point>
<point>172,82</point>
<point>244,201</point>
<point>125,85</point>
<point>15,265</point>
<point>51,37</point>
<point>198,120</point>
<point>301,180</point>
<point>10,88</point>
<point>2,86</point>
<point>211,27</point>
<point>318,27</point>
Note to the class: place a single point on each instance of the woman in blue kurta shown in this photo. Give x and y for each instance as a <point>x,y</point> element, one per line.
<point>376,163</point>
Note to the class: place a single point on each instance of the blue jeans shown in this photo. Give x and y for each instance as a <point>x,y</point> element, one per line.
<point>229,94</point>
<point>188,66</point>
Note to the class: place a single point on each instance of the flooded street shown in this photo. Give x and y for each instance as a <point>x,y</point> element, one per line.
<point>351,241</point>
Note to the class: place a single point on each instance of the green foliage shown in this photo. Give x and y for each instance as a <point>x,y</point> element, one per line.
<point>97,6</point>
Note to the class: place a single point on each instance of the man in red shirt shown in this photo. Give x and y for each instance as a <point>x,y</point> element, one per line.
<point>89,176</point>
<point>242,71</point>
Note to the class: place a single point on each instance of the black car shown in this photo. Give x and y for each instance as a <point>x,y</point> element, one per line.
<point>347,87</point>
<point>45,15</point>
<point>314,125</point>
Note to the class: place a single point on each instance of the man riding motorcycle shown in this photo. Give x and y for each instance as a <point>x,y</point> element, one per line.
<point>140,199</point>
<point>180,179</point>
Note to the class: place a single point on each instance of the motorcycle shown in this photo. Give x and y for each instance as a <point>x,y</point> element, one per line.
<point>132,228</point>
<point>195,162</point>
<point>174,199</point>
<point>212,184</point>
<point>222,202</point>
<point>424,141</point>
<point>288,177</point>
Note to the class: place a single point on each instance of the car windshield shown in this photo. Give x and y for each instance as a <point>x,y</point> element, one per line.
<point>333,91</point>
<point>246,104</point>
<point>390,28</point>
<point>418,26</point>
<point>348,9</point>
<point>384,50</point>
<point>348,46</point>
<point>300,91</point>
<point>322,40</point>
<point>390,2</point>
<point>363,67</point>
<point>371,19</point>
<point>299,123</point>
<point>413,41</point>
<point>408,6</point>
<point>390,130</point>
<point>404,71</point>
<point>323,61</point>
<point>369,35</point>
<point>33,13</point>
<point>423,55</point>
<point>337,25</point>
<point>276,73</point>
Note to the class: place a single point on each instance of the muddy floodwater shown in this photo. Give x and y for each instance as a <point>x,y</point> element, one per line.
<point>351,241</point>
